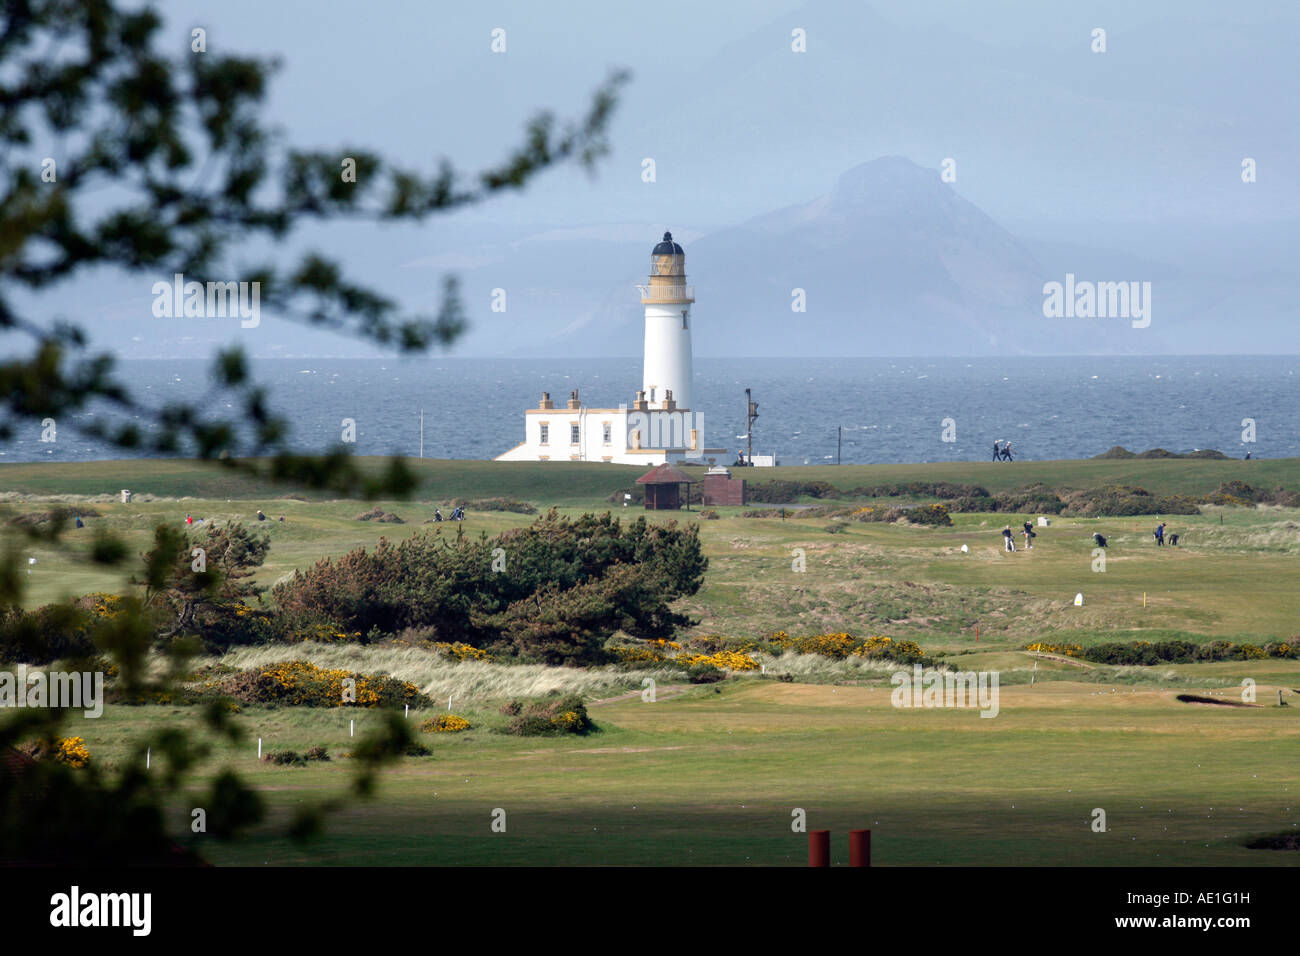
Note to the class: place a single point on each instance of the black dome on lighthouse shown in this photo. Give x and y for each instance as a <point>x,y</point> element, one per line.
<point>668,247</point>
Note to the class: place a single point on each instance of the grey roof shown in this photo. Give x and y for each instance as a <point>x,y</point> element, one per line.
<point>668,247</point>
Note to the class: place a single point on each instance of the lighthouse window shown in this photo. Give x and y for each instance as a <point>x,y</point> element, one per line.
<point>546,431</point>
<point>684,319</point>
<point>573,434</point>
<point>609,432</point>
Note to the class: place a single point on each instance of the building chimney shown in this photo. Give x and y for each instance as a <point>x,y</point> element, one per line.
<point>573,399</point>
<point>546,401</point>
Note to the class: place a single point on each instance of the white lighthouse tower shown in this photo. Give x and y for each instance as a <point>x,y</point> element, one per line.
<point>660,426</point>
<point>668,370</point>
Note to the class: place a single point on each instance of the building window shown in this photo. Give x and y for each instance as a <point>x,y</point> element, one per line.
<point>573,434</point>
<point>609,433</point>
<point>546,433</point>
<point>684,313</point>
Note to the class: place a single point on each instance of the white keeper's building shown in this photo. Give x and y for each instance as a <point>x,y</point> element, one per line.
<point>660,425</point>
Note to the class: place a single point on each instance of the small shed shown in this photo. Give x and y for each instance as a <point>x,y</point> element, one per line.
<point>663,488</point>
<point>721,489</point>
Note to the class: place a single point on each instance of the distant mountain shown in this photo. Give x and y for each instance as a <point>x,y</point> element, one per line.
<point>892,261</point>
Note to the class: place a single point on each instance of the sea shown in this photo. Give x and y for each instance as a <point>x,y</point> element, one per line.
<point>810,411</point>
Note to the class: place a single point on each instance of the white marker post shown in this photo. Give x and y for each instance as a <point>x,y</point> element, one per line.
<point>408,711</point>
<point>449,703</point>
<point>259,748</point>
<point>352,728</point>
<point>148,754</point>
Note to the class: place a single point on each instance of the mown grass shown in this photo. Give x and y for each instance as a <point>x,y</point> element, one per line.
<point>710,775</point>
<point>713,776</point>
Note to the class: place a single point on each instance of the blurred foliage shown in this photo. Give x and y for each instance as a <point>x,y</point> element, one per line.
<point>163,166</point>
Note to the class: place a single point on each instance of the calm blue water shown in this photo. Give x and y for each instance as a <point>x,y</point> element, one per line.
<point>891,410</point>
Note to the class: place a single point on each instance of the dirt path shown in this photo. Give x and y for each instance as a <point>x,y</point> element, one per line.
<point>667,692</point>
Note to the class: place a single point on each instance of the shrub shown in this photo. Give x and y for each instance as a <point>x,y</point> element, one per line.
<point>303,684</point>
<point>927,515</point>
<point>1069,650</point>
<point>445,724</point>
<point>412,749</point>
<point>637,655</point>
<point>50,632</point>
<point>828,645</point>
<point>71,751</point>
<point>1145,653</point>
<point>704,674</point>
<point>285,758</point>
<point>573,583</point>
<point>886,648</point>
<point>460,651</point>
<point>317,753</point>
<point>545,718</point>
<point>728,660</point>
<point>784,492</point>
<point>945,490</point>
<point>379,514</point>
<point>921,514</point>
<point>1119,451</point>
<point>1126,500</point>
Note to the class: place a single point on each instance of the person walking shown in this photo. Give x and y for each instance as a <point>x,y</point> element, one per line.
<point>1160,534</point>
<point>1010,542</point>
<point>1006,452</point>
<point>1029,536</point>
<point>997,450</point>
<point>1098,539</point>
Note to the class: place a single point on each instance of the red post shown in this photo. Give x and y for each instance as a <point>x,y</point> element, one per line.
<point>859,848</point>
<point>819,847</point>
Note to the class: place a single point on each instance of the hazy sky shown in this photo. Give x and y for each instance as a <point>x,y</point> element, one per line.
<point>1138,149</point>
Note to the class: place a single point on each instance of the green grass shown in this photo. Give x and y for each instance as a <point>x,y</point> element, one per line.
<point>582,482</point>
<point>712,778</point>
<point>711,775</point>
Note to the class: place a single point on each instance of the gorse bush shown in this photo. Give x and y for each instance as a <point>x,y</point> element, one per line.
<point>1031,499</point>
<point>548,718</point>
<point>285,758</point>
<point>838,646</point>
<point>445,724</point>
<point>71,751</point>
<point>569,584</point>
<point>936,514</point>
<point>303,684</point>
<point>1186,652</point>
<point>1125,500</point>
<point>1119,451</point>
<point>783,492</point>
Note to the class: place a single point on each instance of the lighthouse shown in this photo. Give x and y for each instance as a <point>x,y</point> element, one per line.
<point>667,372</point>
<point>660,426</point>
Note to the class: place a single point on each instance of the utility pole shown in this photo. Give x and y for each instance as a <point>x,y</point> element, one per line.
<point>422,433</point>
<point>751,412</point>
<point>839,442</point>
